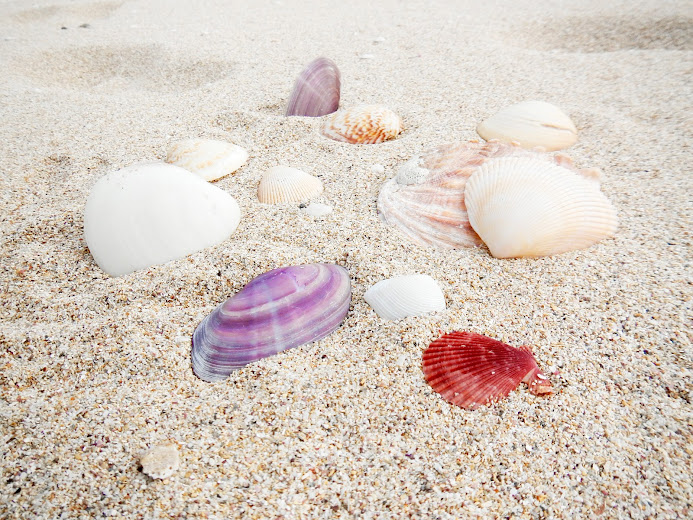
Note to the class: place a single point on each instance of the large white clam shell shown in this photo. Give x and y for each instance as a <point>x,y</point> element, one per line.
<point>521,207</point>
<point>285,184</point>
<point>208,158</point>
<point>408,295</point>
<point>152,213</point>
<point>531,124</point>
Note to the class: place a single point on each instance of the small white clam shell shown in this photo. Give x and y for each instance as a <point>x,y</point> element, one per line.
<point>408,295</point>
<point>521,207</point>
<point>208,158</point>
<point>160,461</point>
<point>531,124</point>
<point>285,184</point>
<point>153,213</point>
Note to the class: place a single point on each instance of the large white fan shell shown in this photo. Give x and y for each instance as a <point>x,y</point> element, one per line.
<point>408,295</point>
<point>153,213</point>
<point>521,207</point>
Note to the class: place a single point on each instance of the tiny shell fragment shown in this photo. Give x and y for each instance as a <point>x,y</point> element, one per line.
<point>317,209</point>
<point>160,461</point>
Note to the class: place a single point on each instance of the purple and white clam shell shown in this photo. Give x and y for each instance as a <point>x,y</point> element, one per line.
<point>276,311</point>
<point>316,91</point>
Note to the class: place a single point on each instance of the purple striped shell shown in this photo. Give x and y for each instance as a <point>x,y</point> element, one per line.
<point>316,90</point>
<point>278,310</point>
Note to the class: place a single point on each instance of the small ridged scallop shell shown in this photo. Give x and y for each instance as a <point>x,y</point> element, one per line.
<point>316,91</point>
<point>402,296</point>
<point>471,370</point>
<point>208,158</point>
<point>285,184</point>
<point>153,213</point>
<point>276,311</point>
<point>531,124</point>
<point>368,124</point>
<point>425,200</point>
<point>521,207</point>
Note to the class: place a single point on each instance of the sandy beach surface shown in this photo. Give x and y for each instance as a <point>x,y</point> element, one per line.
<point>95,370</point>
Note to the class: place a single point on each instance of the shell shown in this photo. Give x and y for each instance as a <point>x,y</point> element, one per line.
<point>402,296</point>
<point>208,158</point>
<point>278,310</point>
<point>316,90</point>
<point>153,213</point>
<point>160,461</point>
<point>522,207</point>
<point>531,123</point>
<point>471,370</point>
<point>317,210</point>
<point>285,184</point>
<point>425,201</point>
<point>368,124</point>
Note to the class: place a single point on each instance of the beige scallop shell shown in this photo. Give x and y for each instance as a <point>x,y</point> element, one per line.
<point>208,158</point>
<point>285,184</point>
<point>367,124</point>
<point>521,207</point>
<point>531,124</point>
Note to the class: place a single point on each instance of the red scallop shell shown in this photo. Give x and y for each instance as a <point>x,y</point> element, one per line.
<point>472,370</point>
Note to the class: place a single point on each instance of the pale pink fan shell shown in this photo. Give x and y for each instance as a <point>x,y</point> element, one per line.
<point>425,201</point>
<point>471,370</point>
<point>368,124</point>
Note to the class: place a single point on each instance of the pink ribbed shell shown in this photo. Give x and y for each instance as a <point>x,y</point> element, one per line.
<point>430,210</point>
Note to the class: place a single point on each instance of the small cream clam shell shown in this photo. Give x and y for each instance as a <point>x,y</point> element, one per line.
<point>160,461</point>
<point>402,296</point>
<point>523,207</point>
<point>531,124</point>
<point>285,184</point>
<point>367,124</point>
<point>208,158</point>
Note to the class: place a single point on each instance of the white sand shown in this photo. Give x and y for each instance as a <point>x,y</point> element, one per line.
<point>96,370</point>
